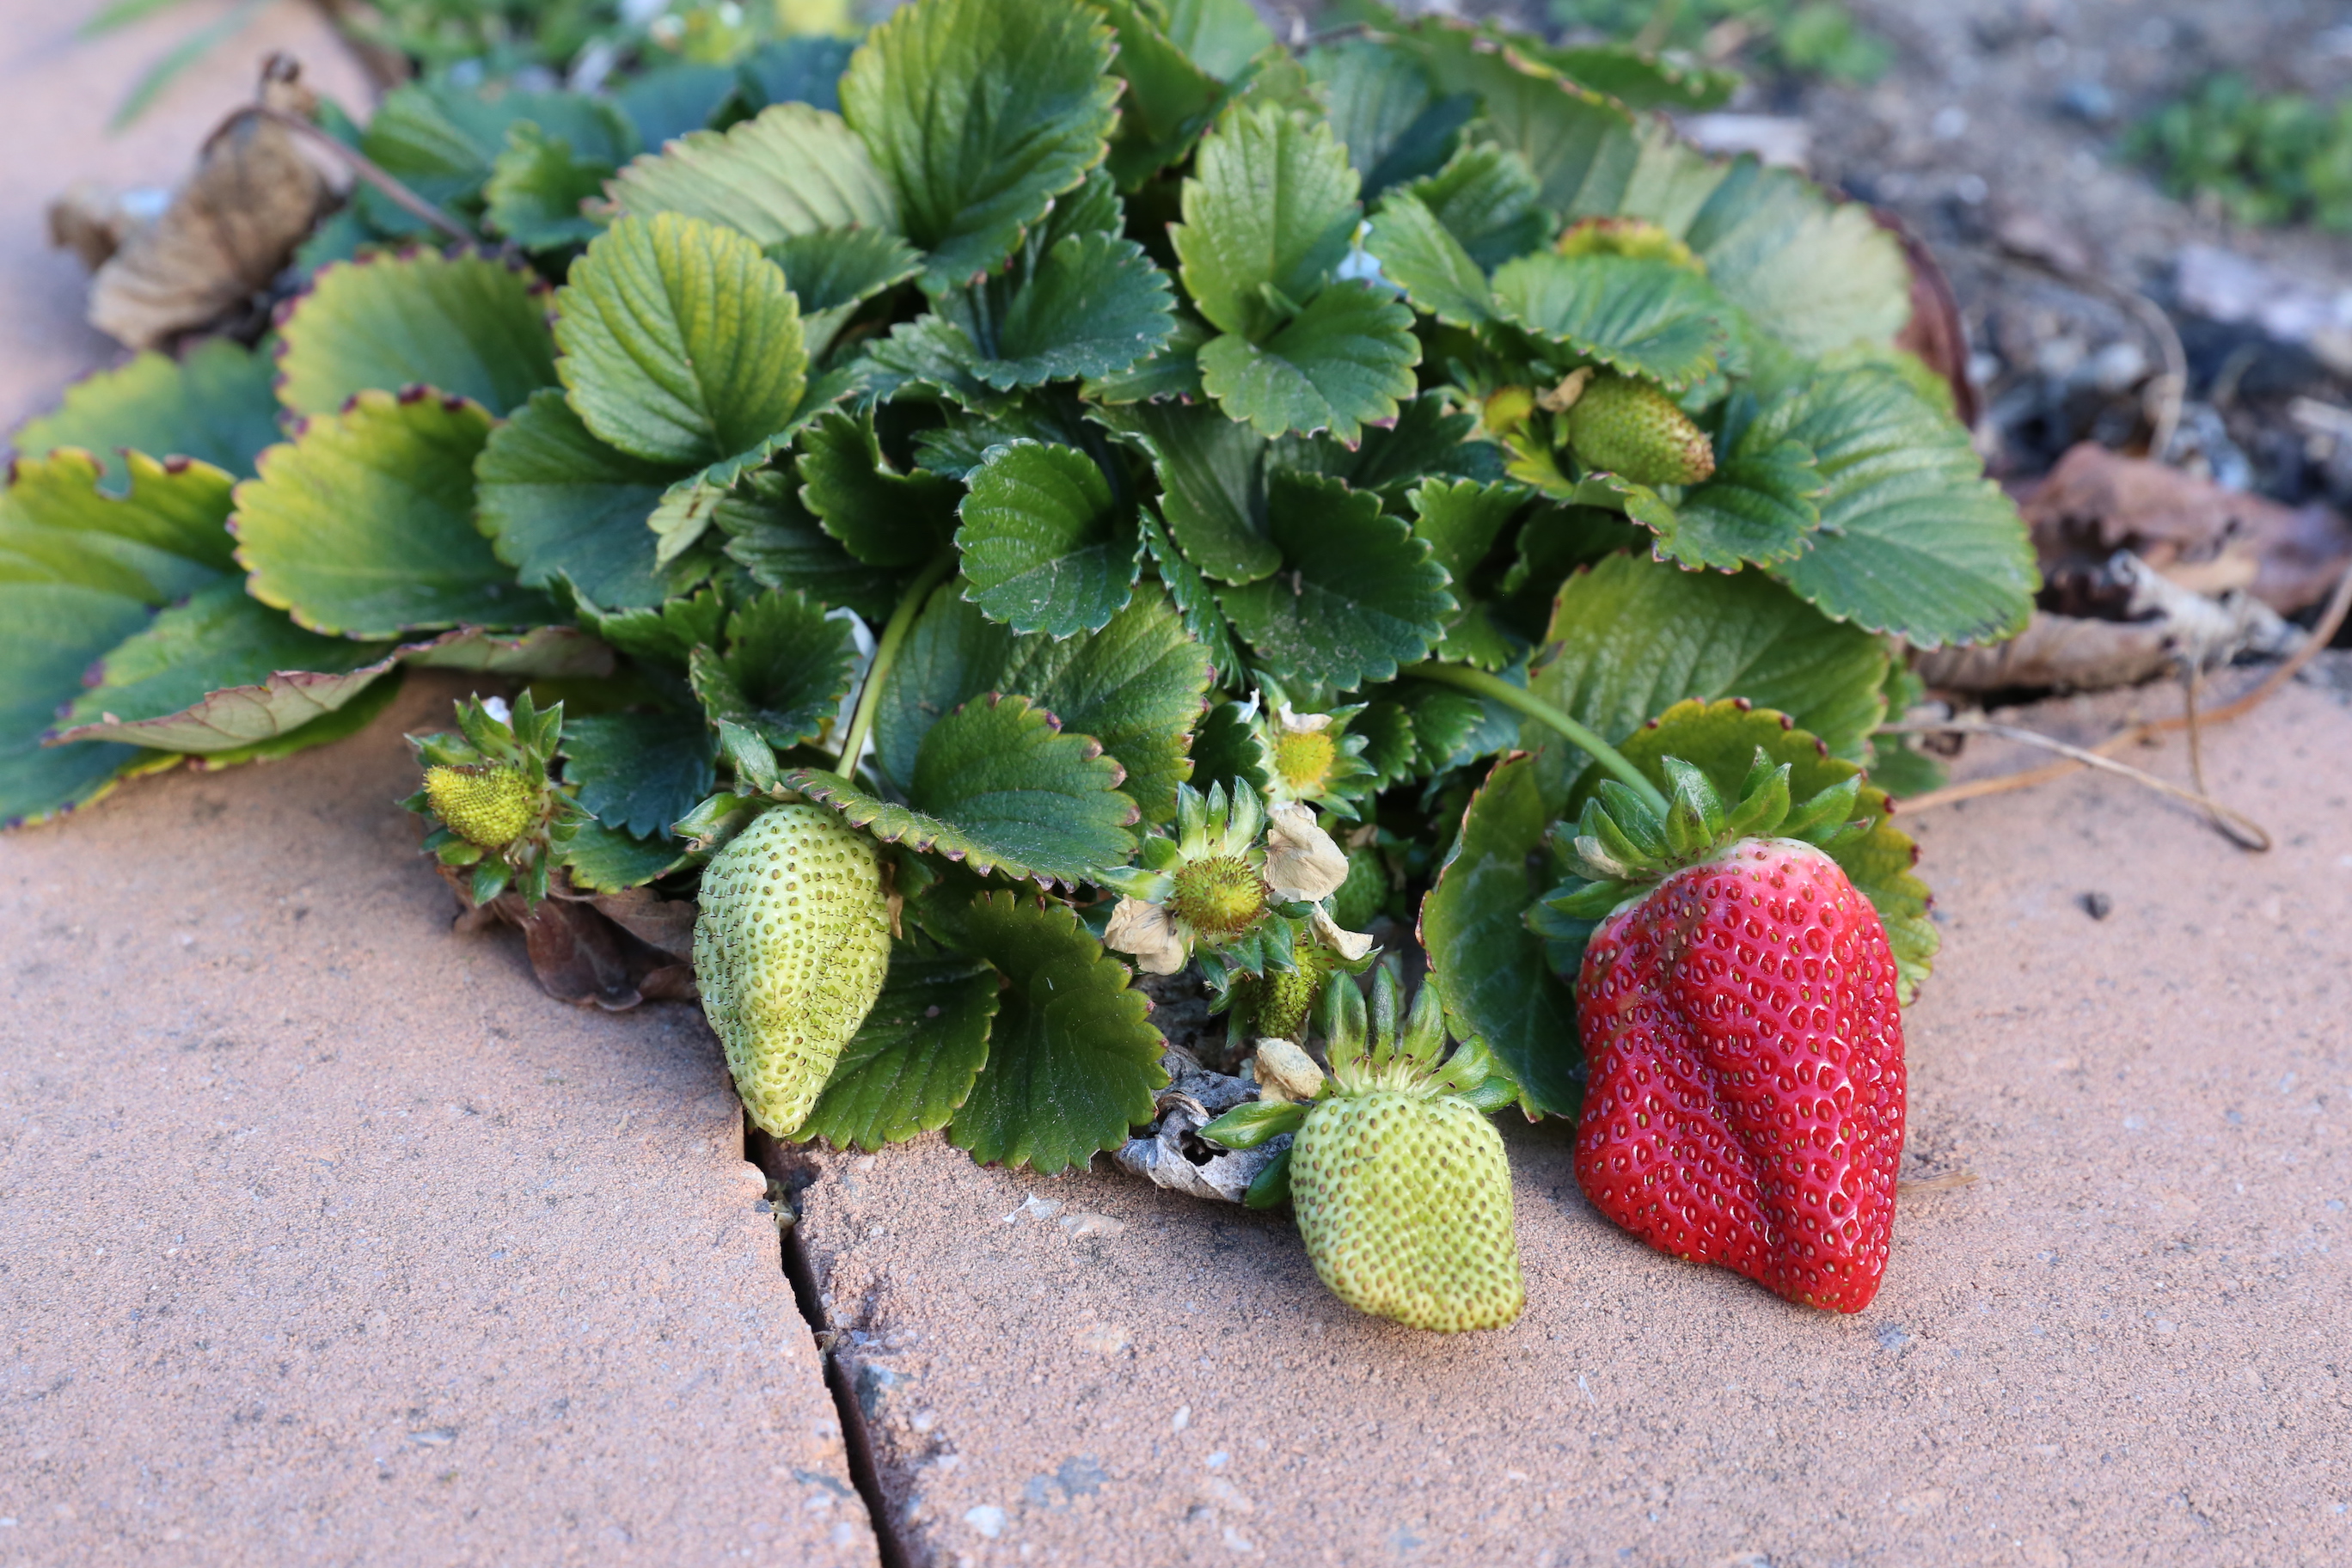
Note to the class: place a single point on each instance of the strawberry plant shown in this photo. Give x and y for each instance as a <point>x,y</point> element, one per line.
<point>1091,505</point>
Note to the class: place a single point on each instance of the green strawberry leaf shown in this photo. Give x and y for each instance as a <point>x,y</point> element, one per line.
<point>772,534</point>
<point>364,526</point>
<point>1212,474</point>
<point>1639,80</point>
<point>603,859</point>
<point>1168,99</point>
<point>1388,747</point>
<point>665,633</point>
<point>1344,362</point>
<point>833,270</point>
<point>1644,317</point>
<point>979,115</point>
<point>1138,686</point>
<point>998,785</point>
<point>539,181</point>
<point>913,1061</point>
<point>1758,508</point>
<point>50,632</point>
<point>1096,306</point>
<point>932,358</point>
<point>1721,738</point>
<point>1421,256</point>
<point>1226,752</point>
<point>1268,218</point>
<point>464,325</point>
<point>880,516</point>
<point>556,502</point>
<point>342,724</point>
<point>1072,1062</point>
<point>1385,113</point>
<point>1813,273</point>
<point>639,773</point>
<point>1425,442</point>
<point>789,170</point>
<point>677,99</point>
<point>1487,198</point>
<point>785,667</point>
<point>215,404</point>
<point>681,343</point>
<point>1913,538</point>
<point>160,540</point>
<point>1579,144</point>
<point>806,69</point>
<point>1223,38</point>
<point>218,672</point>
<point>1630,637</point>
<point>442,141</point>
<point>1171,371</point>
<point>1195,601</point>
<point>1045,547</point>
<point>1358,594</point>
<point>1492,971</point>
<point>1460,520</point>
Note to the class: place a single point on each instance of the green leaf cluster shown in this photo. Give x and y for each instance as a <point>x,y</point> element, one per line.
<point>1016,431</point>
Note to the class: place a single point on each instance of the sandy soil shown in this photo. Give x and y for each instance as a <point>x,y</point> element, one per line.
<point>330,1239</point>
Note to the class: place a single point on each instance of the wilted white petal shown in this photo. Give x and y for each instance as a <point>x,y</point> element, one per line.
<point>1350,946</point>
<point>1300,723</point>
<point>1301,860</point>
<point>1287,1072</point>
<point>1148,932</point>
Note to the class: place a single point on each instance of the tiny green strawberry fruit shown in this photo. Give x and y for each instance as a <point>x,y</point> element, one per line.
<point>1631,237</point>
<point>485,803</point>
<point>1399,1179</point>
<point>789,950</point>
<point>500,815</point>
<point>1630,428</point>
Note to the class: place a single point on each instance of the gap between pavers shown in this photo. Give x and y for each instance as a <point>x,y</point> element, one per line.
<point>330,1237</point>
<point>2126,1343</point>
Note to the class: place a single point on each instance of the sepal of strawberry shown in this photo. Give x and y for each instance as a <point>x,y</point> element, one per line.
<point>490,792</point>
<point>1620,847</point>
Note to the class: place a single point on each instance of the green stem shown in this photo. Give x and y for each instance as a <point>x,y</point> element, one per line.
<point>1496,689</point>
<point>886,654</point>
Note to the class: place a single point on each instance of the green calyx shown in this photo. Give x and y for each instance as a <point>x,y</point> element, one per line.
<point>1372,1052</point>
<point>490,792</point>
<point>1621,846</point>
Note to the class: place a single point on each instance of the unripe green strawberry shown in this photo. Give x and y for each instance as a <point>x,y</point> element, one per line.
<point>1288,995</point>
<point>489,805</point>
<point>1632,430</point>
<point>789,952</point>
<point>1399,1181</point>
<point>1404,1201</point>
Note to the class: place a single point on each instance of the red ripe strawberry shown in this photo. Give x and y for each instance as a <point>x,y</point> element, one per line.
<point>1742,1035</point>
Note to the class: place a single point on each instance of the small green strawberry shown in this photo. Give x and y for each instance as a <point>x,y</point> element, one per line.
<point>501,816</point>
<point>1630,428</point>
<point>789,950</point>
<point>1398,1179</point>
<point>487,805</point>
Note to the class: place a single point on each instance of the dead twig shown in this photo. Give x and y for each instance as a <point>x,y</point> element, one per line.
<point>2242,829</point>
<point>362,168</point>
<point>2331,621</point>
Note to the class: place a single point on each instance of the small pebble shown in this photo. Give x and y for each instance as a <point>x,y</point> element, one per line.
<point>2098,906</point>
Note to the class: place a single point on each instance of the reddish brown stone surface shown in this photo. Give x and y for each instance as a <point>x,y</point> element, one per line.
<point>329,1239</point>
